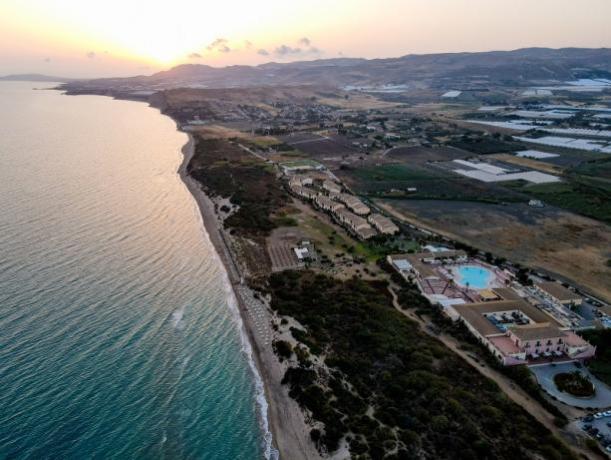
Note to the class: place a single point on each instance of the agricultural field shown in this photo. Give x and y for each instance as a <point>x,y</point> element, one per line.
<point>393,180</point>
<point>486,145</point>
<point>538,165</point>
<point>318,147</point>
<point>570,246</point>
<point>426,154</point>
<point>590,197</point>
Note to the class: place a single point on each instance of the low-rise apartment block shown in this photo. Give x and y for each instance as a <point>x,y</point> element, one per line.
<point>358,225</point>
<point>331,186</point>
<point>354,204</point>
<point>383,224</point>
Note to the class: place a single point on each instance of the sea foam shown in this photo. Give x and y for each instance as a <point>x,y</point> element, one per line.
<point>269,452</point>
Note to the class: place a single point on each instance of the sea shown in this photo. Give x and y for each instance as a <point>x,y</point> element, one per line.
<point>119,334</point>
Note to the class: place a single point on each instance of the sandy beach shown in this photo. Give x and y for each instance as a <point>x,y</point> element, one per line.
<point>290,433</point>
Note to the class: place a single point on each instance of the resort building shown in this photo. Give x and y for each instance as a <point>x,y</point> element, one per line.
<point>354,204</point>
<point>331,186</point>
<point>304,192</point>
<point>300,179</point>
<point>383,224</point>
<point>328,204</point>
<point>516,332</point>
<point>557,293</point>
<point>358,225</point>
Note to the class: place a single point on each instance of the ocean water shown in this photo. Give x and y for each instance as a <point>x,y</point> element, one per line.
<point>118,337</point>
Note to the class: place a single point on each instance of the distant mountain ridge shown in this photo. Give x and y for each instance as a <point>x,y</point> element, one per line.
<point>434,70</point>
<point>35,77</point>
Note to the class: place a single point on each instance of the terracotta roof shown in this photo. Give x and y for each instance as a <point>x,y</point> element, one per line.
<point>537,332</point>
<point>473,313</point>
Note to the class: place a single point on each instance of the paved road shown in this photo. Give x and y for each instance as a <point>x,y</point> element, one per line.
<point>545,376</point>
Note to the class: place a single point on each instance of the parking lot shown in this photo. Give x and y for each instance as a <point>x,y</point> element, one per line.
<point>599,429</point>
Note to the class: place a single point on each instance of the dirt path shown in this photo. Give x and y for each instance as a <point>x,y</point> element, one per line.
<point>514,392</point>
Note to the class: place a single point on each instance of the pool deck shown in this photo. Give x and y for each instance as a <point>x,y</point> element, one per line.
<point>443,281</point>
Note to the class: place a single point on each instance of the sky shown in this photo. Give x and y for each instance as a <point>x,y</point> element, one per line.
<point>87,38</point>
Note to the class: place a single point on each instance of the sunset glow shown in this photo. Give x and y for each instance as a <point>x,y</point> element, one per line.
<point>136,35</point>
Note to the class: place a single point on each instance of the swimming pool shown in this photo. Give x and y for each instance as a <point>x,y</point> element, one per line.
<point>473,276</point>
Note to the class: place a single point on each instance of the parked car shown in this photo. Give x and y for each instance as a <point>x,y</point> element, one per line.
<point>598,415</point>
<point>588,418</point>
<point>607,413</point>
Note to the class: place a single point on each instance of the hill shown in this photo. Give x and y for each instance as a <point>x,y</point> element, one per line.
<point>450,70</point>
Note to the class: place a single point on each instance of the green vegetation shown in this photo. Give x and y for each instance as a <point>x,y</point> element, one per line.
<point>588,196</point>
<point>394,172</point>
<point>283,349</point>
<point>285,221</point>
<point>601,167</point>
<point>398,392</point>
<point>574,383</point>
<point>226,170</point>
<point>392,181</point>
<point>410,298</point>
<point>600,366</point>
<point>485,145</point>
<point>301,163</point>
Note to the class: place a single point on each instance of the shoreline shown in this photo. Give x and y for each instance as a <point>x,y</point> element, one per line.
<point>282,422</point>
<point>286,435</point>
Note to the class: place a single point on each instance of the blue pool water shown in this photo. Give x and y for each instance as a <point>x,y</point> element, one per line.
<point>473,276</point>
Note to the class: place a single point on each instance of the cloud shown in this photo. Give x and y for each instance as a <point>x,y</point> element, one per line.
<point>263,52</point>
<point>306,48</point>
<point>91,54</point>
<point>220,45</point>
<point>285,50</point>
<point>195,56</point>
<point>248,44</point>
